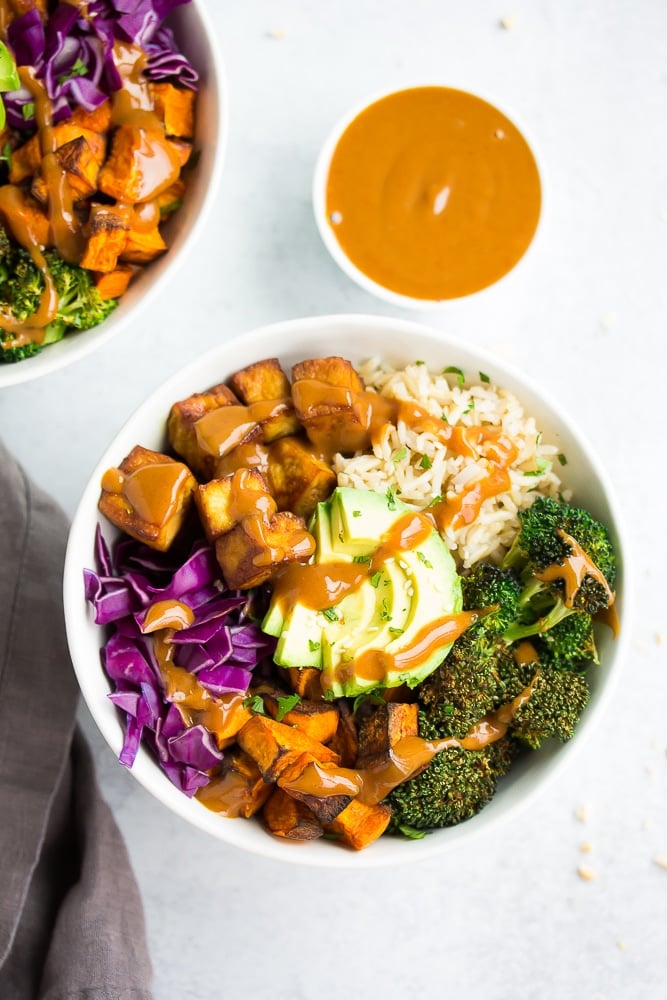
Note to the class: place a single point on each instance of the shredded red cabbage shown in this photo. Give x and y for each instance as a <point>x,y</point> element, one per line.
<point>222,646</point>
<point>72,53</point>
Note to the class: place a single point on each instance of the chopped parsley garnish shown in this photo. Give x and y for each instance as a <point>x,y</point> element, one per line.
<point>361,559</point>
<point>453,370</point>
<point>434,502</point>
<point>356,513</point>
<point>28,111</point>
<point>420,362</point>
<point>375,579</point>
<point>78,69</point>
<point>425,462</point>
<point>399,455</point>
<point>542,466</point>
<point>285,704</point>
<point>443,417</point>
<point>411,831</point>
<point>331,614</point>
<point>483,377</point>
<point>6,156</point>
<point>396,631</point>
<point>562,459</point>
<point>256,704</point>
<point>391,498</point>
<point>422,558</point>
<point>313,646</point>
<point>384,614</point>
<point>470,406</point>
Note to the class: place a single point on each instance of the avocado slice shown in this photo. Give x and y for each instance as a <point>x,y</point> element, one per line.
<point>377,635</point>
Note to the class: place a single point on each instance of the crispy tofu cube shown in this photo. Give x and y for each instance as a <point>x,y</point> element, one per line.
<point>115,283</point>
<point>298,478</point>
<point>239,789</point>
<point>255,549</point>
<point>383,729</point>
<point>79,167</point>
<point>251,455</point>
<point>265,388</point>
<point>222,503</point>
<point>148,496</point>
<point>140,165</point>
<point>324,391</point>
<point>286,817</point>
<point>106,234</point>
<point>174,106</point>
<point>201,434</point>
<point>143,246</point>
<point>359,825</point>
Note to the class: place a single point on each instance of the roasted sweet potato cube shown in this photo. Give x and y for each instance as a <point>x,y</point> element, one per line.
<point>324,787</point>
<point>115,283</point>
<point>286,817</point>
<point>181,148</point>
<point>252,551</point>
<point>170,199</point>
<point>20,7</point>
<point>324,390</point>
<point>239,789</point>
<point>148,496</point>
<point>222,503</point>
<point>318,719</point>
<point>345,740</point>
<point>306,681</point>
<point>224,717</point>
<point>97,120</point>
<point>174,106</point>
<point>140,165</point>
<point>383,728</point>
<point>106,235</point>
<point>143,245</point>
<point>275,746</point>
<point>200,453</point>
<point>298,478</point>
<point>67,131</point>
<point>79,167</point>
<point>359,825</point>
<point>25,160</point>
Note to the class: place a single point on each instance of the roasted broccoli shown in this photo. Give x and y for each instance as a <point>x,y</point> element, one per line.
<point>455,786</point>
<point>80,305</point>
<point>569,645</point>
<point>555,705</point>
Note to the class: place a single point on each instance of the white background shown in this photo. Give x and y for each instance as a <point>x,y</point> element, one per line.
<point>586,314</point>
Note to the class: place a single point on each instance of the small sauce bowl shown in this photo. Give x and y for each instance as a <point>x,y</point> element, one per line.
<point>427,195</point>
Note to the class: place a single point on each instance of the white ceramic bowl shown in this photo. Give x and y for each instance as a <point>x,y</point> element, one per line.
<point>327,231</point>
<point>197,40</point>
<point>356,338</point>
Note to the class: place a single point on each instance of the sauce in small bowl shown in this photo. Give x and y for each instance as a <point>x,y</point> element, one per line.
<point>427,194</point>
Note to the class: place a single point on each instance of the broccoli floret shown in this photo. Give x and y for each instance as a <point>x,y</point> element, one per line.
<point>80,305</point>
<point>10,355</point>
<point>464,687</point>
<point>569,645</point>
<point>540,544</point>
<point>455,786</point>
<point>555,705</point>
<point>486,586</point>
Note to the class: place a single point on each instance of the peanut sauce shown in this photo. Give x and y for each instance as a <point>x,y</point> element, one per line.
<point>227,794</point>
<point>433,193</point>
<point>170,614</point>
<point>406,759</point>
<point>151,491</point>
<point>573,569</point>
<point>222,429</point>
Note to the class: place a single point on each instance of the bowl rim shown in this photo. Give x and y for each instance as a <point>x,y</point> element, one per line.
<point>327,234</point>
<point>78,345</point>
<point>78,618</point>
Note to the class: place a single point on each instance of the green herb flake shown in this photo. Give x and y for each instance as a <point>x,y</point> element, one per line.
<point>78,69</point>
<point>411,831</point>
<point>384,614</point>
<point>395,631</point>
<point>6,155</point>
<point>483,377</point>
<point>422,558</point>
<point>331,614</point>
<point>361,559</point>
<point>425,462</point>
<point>470,406</point>
<point>391,498</point>
<point>375,579</point>
<point>356,513</point>
<point>562,459</point>
<point>341,537</point>
<point>28,111</point>
<point>399,455</point>
<point>256,704</point>
<point>313,646</point>
<point>443,417</point>
<point>542,466</point>
<point>285,704</point>
<point>420,362</point>
<point>435,501</point>
<point>453,370</point>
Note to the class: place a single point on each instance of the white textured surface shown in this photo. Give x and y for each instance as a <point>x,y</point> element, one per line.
<point>507,917</point>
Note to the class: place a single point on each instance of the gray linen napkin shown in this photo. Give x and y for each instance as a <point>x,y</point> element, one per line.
<point>71,918</point>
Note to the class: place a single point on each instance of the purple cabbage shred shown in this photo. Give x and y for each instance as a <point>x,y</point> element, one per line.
<point>222,647</point>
